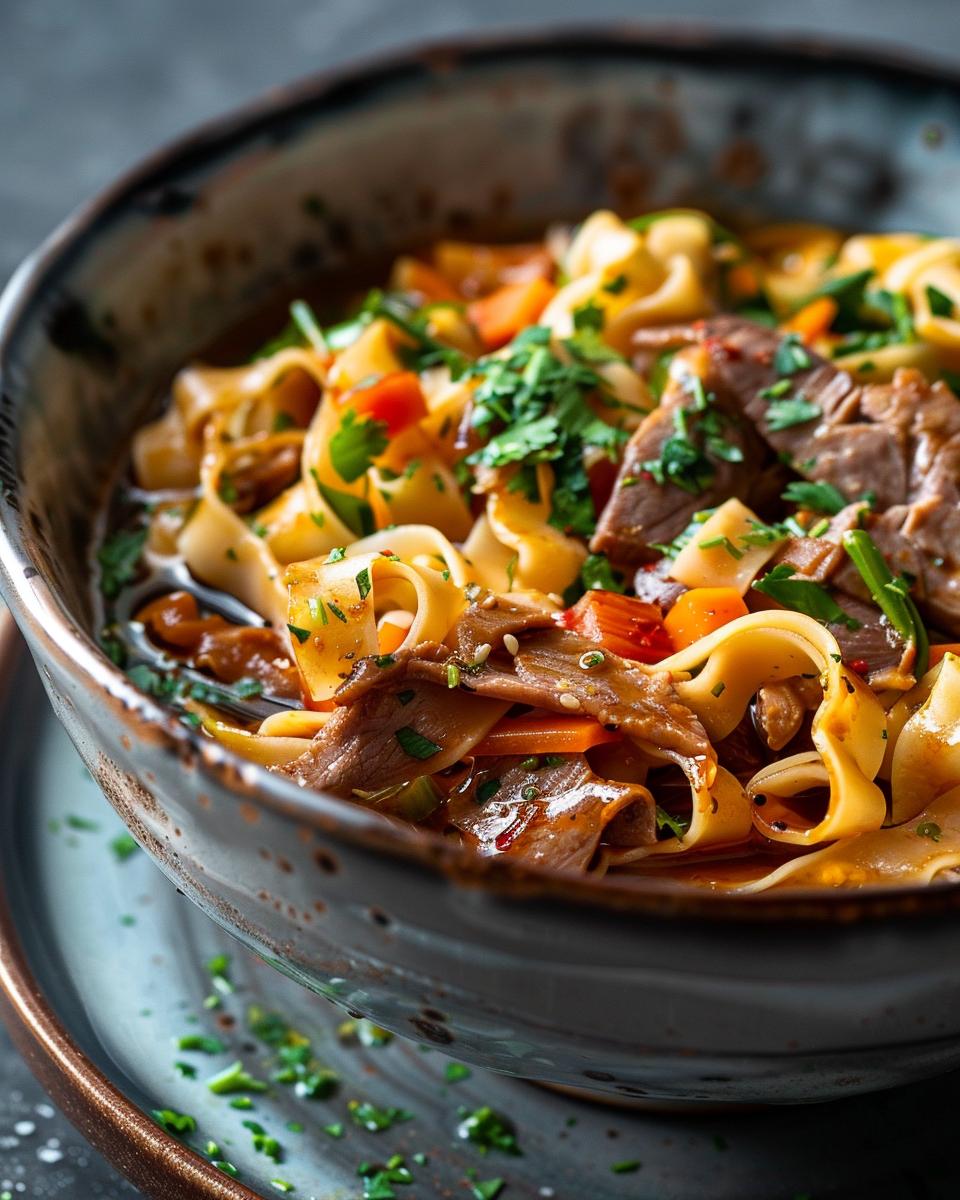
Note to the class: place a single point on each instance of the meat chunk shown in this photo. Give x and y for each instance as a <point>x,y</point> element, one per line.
<point>781,709</point>
<point>643,512</point>
<point>899,441</point>
<point>554,815</point>
<point>652,585</point>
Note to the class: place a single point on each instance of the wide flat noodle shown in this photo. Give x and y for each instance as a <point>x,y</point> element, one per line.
<point>848,727</point>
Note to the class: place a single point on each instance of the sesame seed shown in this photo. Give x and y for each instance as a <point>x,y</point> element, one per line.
<point>510,643</point>
<point>488,602</point>
<point>483,653</point>
<point>569,701</point>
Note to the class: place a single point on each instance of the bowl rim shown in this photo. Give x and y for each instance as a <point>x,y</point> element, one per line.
<point>50,624</point>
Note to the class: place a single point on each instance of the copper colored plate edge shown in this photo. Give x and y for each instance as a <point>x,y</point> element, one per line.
<point>156,1163</point>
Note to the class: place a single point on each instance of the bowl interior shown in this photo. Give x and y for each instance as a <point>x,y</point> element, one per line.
<point>477,141</point>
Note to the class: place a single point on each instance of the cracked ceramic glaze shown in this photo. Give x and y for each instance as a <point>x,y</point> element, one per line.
<point>631,990</point>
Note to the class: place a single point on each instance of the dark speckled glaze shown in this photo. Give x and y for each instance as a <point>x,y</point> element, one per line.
<point>630,989</point>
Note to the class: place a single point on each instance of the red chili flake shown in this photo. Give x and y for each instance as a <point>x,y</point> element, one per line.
<point>860,665</point>
<point>505,839</point>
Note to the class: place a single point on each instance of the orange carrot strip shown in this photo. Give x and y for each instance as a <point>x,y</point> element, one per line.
<point>743,283</point>
<point>500,316</point>
<point>938,651</point>
<point>544,734</point>
<point>700,611</point>
<point>813,320</point>
<point>622,624</point>
<point>412,275</point>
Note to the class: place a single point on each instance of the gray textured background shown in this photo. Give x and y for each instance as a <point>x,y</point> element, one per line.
<point>88,86</point>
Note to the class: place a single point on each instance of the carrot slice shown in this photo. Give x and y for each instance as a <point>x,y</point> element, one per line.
<point>475,269</point>
<point>700,611</point>
<point>743,283</point>
<point>499,317</point>
<point>813,320</point>
<point>544,734</point>
<point>412,275</point>
<point>622,624</point>
<point>396,399</point>
<point>938,651</point>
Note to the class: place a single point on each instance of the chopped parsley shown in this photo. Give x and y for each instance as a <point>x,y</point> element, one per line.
<point>300,634</point>
<point>530,407</point>
<point>929,829</point>
<point>940,303</point>
<point>487,790</point>
<point>234,1079</point>
<point>488,1130</point>
<point>818,497</point>
<point>123,846</point>
<point>793,410</point>
<point>202,1042</point>
<point>415,744</point>
<point>353,511</point>
<point>804,596</point>
<point>688,456</point>
<point>455,1072</point>
<point>363,583</point>
<point>791,356</point>
<point>119,557</point>
<point>317,610</point>
<point>488,1189</point>
<point>374,1119</point>
<point>616,285</point>
<point>355,445</point>
<point>337,554</point>
<point>626,1167</point>
<point>597,572</point>
<point>677,826</point>
<point>174,1122</point>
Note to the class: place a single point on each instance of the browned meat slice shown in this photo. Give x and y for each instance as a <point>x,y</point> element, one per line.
<point>815,558</point>
<point>781,709</point>
<point>262,478</point>
<point>899,441</point>
<point>553,815</point>
<point>246,651</point>
<point>487,621</point>
<point>652,585</point>
<point>392,731</point>
<point>643,512</point>
<point>546,673</point>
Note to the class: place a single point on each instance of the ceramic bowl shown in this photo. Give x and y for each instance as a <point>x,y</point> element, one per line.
<point>625,988</point>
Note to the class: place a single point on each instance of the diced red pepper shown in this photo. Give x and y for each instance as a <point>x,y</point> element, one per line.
<point>396,399</point>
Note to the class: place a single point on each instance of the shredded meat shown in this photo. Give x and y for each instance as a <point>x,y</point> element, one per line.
<point>553,814</point>
<point>652,585</point>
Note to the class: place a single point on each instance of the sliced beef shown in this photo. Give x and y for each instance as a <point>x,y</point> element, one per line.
<point>899,441</point>
<point>384,735</point>
<point>546,673</point>
<point>249,652</point>
<point>642,512</point>
<point>652,585</point>
<point>553,815</point>
<point>782,707</point>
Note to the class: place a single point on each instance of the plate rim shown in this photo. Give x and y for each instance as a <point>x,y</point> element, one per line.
<point>150,1158</point>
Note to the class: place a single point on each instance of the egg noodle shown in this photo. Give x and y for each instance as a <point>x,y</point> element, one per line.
<point>645,457</point>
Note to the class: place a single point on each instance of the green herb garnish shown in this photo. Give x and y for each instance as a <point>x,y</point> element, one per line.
<point>489,1130</point>
<point>818,497</point>
<point>929,829</point>
<point>890,593</point>
<point>355,445</point>
<point>804,596</point>
<point>119,557</point>
<point>415,744</point>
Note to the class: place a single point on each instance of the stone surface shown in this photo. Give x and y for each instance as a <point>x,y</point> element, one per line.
<point>85,90</point>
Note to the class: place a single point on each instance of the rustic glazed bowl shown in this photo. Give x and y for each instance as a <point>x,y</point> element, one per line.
<point>631,989</point>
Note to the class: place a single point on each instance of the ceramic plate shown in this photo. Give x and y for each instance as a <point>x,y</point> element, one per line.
<point>109,969</point>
